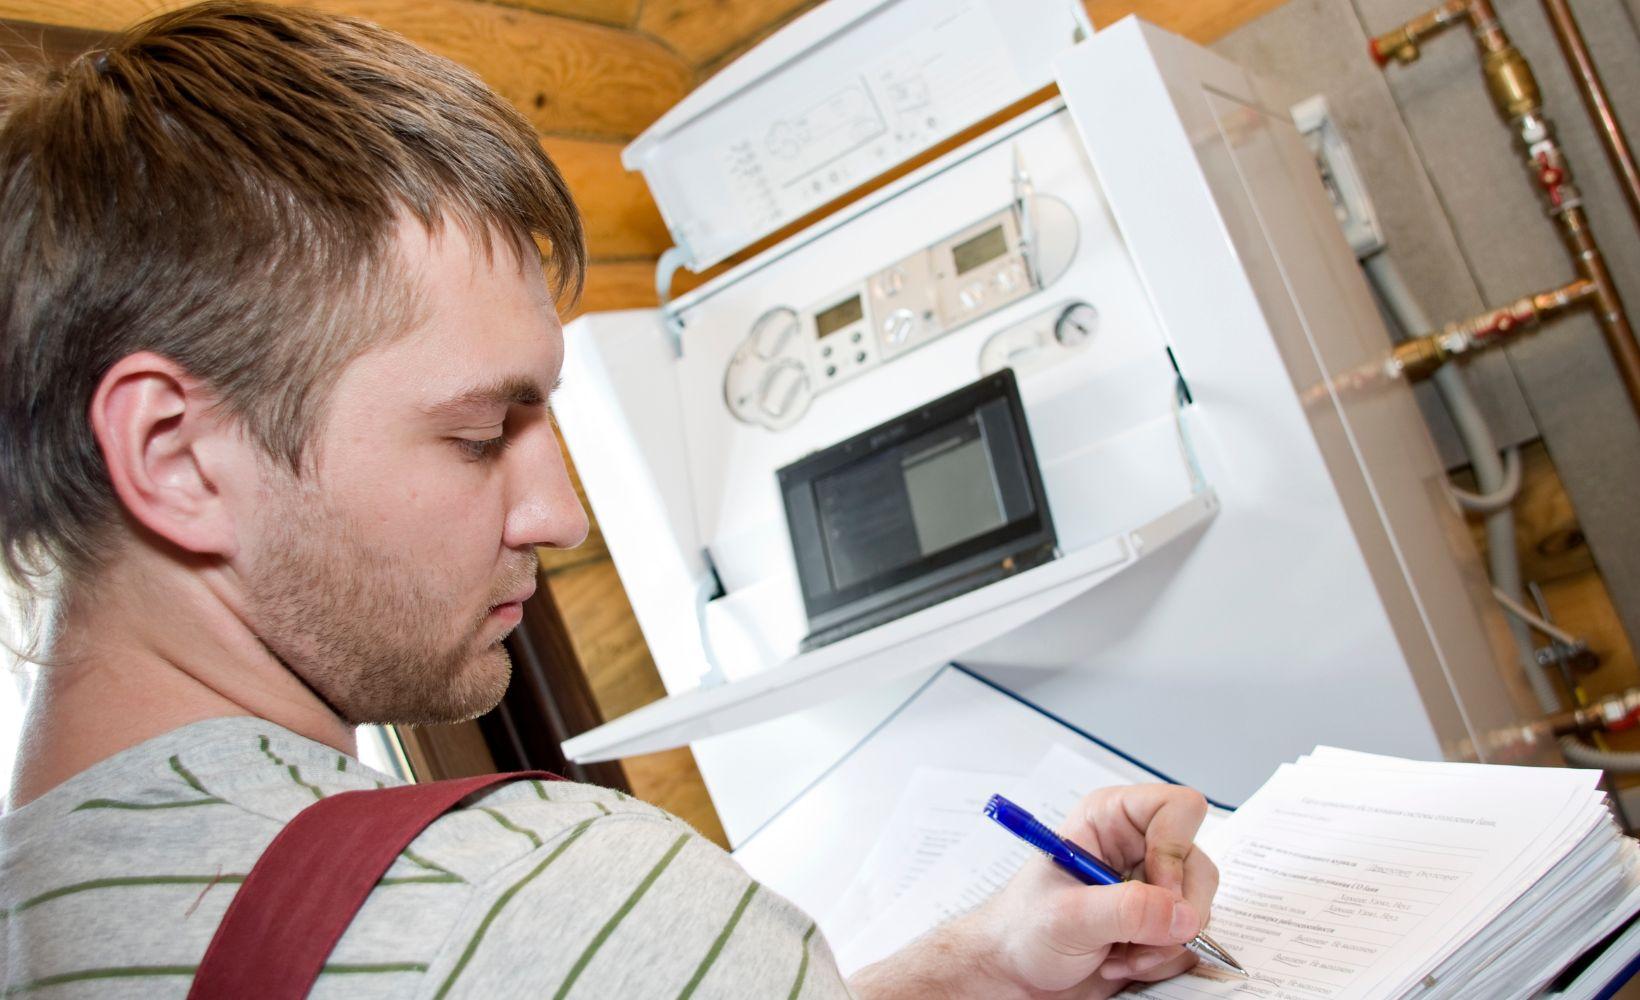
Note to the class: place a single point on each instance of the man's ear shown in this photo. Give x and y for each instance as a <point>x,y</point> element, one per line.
<point>165,444</point>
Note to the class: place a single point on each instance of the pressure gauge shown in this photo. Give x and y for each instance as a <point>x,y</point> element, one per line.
<point>1076,324</point>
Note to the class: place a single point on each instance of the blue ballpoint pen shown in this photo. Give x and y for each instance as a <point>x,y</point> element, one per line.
<point>1083,866</point>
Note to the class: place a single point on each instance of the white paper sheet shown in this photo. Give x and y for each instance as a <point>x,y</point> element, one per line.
<point>1354,882</point>
<point>938,810</point>
<point>983,862</point>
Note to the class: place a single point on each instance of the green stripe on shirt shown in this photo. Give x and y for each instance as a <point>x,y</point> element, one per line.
<point>507,824</point>
<point>118,804</point>
<point>122,882</point>
<point>802,966</point>
<point>717,945</point>
<point>150,971</point>
<point>620,914</point>
<point>421,862</point>
<point>500,903</point>
<point>291,768</point>
<point>187,775</point>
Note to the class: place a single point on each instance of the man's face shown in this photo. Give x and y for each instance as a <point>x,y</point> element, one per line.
<point>387,578</point>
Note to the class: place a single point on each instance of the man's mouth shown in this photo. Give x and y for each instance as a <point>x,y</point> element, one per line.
<point>511,609</point>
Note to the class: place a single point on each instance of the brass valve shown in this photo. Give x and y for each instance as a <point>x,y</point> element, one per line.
<point>1510,81</point>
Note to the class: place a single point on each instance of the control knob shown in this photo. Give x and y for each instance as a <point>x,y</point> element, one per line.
<point>773,331</point>
<point>890,282</point>
<point>898,326</point>
<point>783,388</point>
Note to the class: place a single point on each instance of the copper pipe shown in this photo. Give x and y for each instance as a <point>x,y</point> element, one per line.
<point>1514,91</point>
<point>1587,77</point>
<point>1419,357</point>
<point>1488,32</point>
<point>1614,323</point>
<point>1401,44</point>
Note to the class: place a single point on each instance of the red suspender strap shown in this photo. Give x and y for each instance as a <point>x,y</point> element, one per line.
<point>305,888</point>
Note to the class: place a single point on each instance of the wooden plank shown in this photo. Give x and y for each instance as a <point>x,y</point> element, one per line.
<point>622,675</point>
<point>36,45</point>
<point>606,637</point>
<point>1199,20</point>
<point>616,285</point>
<point>1547,534</point>
<point>671,780</point>
<point>620,217</point>
<point>704,30</point>
<point>619,13</point>
<point>566,75</point>
<point>439,752</point>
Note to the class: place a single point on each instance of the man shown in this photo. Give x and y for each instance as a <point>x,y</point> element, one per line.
<point>278,351</point>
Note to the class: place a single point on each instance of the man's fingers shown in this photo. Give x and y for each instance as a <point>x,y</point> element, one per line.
<point>1130,961</point>
<point>1170,838</point>
<point>1201,881</point>
<point>1155,824</point>
<point>1131,912</point>
<point>1165,968</point>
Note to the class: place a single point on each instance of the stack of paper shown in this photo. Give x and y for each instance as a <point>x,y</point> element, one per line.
<point>1351,875</point>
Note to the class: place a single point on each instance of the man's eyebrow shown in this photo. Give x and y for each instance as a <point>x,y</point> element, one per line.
<point>516,390</point>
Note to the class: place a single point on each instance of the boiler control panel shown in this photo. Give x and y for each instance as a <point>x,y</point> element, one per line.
<point>791,355</point>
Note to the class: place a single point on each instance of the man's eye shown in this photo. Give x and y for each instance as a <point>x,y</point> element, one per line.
<point>480,451</point>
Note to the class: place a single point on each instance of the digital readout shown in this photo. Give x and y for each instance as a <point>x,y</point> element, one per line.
<point>838,316</point>
<point>987,246</point>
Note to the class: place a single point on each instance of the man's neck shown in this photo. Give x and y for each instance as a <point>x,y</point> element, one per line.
<point>142,654</point>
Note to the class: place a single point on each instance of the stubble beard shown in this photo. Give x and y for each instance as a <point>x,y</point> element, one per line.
<point>356,623</point>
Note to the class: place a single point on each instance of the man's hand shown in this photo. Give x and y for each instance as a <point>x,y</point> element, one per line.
<point>1047,935</point>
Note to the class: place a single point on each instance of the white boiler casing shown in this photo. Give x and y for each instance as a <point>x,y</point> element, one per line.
<point>1313,584</point>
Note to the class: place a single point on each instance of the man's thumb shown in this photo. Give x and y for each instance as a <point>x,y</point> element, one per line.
<point>1133,913</point>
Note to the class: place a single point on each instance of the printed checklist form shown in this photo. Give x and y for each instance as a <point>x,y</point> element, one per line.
<point>1346,876</point>
<point>1354,876</point>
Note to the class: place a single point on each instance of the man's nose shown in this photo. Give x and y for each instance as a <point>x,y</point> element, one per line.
<point>543,509</point>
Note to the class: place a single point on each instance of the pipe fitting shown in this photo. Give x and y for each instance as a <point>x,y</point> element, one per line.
<point>1401,44</point>
<point>1419,357</point>
<point>1510,81</point>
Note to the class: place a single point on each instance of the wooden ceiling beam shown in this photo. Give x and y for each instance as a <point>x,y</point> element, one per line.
<point>621,218</point>
<point>704,31</point>
<point>569,76</point>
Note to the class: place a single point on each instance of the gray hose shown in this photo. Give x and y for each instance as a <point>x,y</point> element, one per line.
<point>1491,477</point>
<point>1482,449</point>
<point>1491,503</point>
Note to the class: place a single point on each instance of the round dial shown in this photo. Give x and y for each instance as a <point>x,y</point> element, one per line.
<point>766,381</point>
<point>783,392</point>
<point>773,331</point>
<point>1076,324</point>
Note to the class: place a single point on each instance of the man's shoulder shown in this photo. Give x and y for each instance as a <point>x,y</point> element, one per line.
<point>131,864</point>
<point>519,821</point>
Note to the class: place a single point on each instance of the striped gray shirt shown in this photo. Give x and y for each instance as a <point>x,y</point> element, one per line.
<point>112,884</point>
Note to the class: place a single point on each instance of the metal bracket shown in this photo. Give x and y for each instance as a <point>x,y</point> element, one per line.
<point>1564,657</point>
<point>665,267</point>
<point>1025,215</point>
<point>709,589</point>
